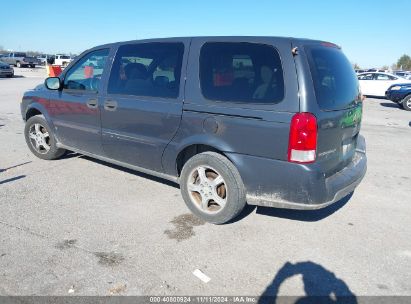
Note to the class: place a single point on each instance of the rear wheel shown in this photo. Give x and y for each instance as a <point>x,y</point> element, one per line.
<point>406,103</point>
<point>212,188</point>
<point>40,139</point>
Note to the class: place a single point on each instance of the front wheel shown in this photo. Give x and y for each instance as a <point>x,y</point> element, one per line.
<point>40,139</point>
<point>406,103</point>
<point>212,188</point>
<point>18,64</point>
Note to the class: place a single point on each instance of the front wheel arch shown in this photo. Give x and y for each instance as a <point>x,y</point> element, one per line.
<point>405,100</point>
<point>32,112</point>
<point>34,109</point>
<point>44,147</point>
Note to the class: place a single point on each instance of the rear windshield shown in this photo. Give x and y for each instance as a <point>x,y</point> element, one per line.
<point>335,82</point>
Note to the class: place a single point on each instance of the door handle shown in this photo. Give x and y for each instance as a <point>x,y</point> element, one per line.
<point>110,105</point>
<point>92,103</point>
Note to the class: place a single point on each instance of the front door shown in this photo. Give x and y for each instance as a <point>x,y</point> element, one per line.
<point>75,109</point>
<point>143,104</point>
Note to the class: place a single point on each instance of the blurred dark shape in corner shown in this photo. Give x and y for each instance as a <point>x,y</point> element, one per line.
<point>320,285</point>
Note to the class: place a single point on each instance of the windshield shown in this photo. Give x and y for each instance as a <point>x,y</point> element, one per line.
<point>335,82</point>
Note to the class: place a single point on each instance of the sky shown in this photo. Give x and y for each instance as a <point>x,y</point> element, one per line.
<point>371,33</point>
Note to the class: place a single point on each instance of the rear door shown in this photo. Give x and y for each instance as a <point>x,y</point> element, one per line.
<point>241,93</point>
<point>336,103</point>
<point>143,104</point>
<point>366,83</point>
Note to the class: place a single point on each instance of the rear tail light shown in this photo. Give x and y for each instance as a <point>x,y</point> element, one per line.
<point>302,144</point>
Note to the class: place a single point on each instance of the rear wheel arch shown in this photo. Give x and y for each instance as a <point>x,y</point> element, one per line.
<point>189,151</point>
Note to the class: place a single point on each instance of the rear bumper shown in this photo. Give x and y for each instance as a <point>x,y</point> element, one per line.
<point>281,184</point>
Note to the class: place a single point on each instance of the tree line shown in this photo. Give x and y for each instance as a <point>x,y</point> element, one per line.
<point>403,63</point>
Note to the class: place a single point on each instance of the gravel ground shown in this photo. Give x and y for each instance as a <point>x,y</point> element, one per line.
<point>77,226</point>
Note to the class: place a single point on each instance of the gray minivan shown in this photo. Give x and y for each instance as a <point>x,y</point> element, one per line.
<point>260,120</point>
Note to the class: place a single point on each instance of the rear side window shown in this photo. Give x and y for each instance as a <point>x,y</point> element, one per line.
<point>147,69</point>
<point>241,72</point>
<point>335,82</point>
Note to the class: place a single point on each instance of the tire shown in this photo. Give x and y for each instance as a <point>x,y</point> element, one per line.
<point>18,64</point>
<point>33,66</point>
<point>43,127</point>
<point>406,103</point>
<point>229,193</point>
<point>10,76</point>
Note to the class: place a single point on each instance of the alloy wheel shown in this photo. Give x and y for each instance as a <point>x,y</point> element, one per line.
<point>207,189</point>
<point>39,138</point>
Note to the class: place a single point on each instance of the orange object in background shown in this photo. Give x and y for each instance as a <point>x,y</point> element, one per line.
<point>223,79</point>
<point>88,71</point>
<point>53,70</point>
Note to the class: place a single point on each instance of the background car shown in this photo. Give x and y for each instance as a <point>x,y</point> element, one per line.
<point>401,94</point>
<point>6,70</point>
<point>45,58</point>
<point>377,83</point>
<point>20,60</point>
<point>62,60</point>
<point>403,74</point>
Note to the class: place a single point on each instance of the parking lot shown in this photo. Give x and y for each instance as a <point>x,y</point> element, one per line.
<point>78,226</point>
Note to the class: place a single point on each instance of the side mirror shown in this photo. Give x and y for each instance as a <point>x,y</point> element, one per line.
<point>53,83</point>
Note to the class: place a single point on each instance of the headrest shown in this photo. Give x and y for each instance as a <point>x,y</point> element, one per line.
<point>266,74</point>
<point>135,71</point>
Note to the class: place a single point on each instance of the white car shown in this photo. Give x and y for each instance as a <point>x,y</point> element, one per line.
<point>62,60</point>
<point>376,83</point>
